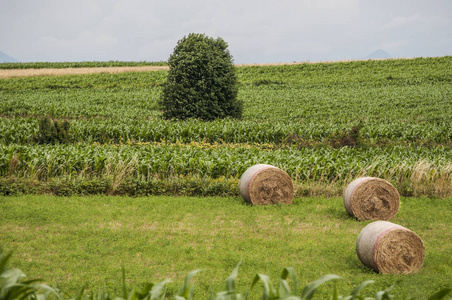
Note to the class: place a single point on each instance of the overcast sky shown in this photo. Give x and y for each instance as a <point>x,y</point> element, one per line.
<point>256,31</point>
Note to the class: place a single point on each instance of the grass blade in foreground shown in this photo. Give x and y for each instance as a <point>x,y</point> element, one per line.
<point>308,291</point>
<point>186,291</point>
<point>441,294</point>
<point>13,289</point>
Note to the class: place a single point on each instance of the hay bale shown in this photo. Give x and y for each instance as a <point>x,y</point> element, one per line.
<point>266,184</point>
<point>389,248</point>
<point>370,198</point>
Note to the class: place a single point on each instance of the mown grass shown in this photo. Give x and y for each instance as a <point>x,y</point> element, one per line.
<point>73,241</point>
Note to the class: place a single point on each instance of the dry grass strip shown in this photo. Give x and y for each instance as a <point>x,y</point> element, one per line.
<point>76,71</point>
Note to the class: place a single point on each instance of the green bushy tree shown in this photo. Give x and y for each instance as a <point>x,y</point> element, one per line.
<point>201,81</point>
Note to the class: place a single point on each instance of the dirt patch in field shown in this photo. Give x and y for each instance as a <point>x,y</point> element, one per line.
<point>75,71</point>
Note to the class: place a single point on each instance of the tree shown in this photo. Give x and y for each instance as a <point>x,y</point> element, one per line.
<point>201,81</point>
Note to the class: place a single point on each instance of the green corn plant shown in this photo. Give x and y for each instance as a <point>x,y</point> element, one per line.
<point>355,293</point>
<point>384,295</point>
<point>151,291</point>
<point>283,291</point>
<point>440,294</point>
<point>186,290</point>
<point>308,291</point>
<point>230,293</point>
<point>79,295</point>
<point>13,287</point>
<point>269,292</point>
<point>284,288</point>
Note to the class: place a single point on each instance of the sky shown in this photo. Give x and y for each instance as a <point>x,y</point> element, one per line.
<point>264,31</point>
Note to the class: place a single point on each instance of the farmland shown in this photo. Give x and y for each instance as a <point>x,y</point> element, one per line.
<point>324,124</point>
<point>300,118</point>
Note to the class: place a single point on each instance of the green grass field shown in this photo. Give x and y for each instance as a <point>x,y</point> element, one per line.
<point>75,241</point>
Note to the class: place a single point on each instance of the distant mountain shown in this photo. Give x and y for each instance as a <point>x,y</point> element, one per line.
<point>378,54</point>
<point>5,58</point>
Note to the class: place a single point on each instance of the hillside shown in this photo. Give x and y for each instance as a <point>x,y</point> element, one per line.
<point>379,54</point>
<point>4,58</point>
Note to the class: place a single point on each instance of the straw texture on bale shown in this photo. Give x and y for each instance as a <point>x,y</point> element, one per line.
<point>389,248</point>
<point>266,184</point>
<point>370,198</point>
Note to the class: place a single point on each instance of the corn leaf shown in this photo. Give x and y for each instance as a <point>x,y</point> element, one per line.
<point>309,290</point>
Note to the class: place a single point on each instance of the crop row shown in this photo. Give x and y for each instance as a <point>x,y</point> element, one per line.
<point>423,107</point>
<point>214,161</point>
<point>135,95</point>
<point>21,131</point>
<point>402,100</point>
<point>410,100</point>
<point>387,71</point>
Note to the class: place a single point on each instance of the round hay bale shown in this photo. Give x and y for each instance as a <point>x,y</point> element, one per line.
<point>389,248</point>
<point>370,198</point>
<point>266,184</point>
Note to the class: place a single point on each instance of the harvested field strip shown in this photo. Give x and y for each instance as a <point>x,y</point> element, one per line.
<point>13,73</point>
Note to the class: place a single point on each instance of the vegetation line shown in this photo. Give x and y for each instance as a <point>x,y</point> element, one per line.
<point>14,70</point>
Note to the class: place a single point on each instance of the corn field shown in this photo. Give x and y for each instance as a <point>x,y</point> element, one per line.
<point>327,123</point>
